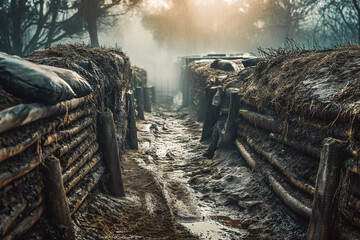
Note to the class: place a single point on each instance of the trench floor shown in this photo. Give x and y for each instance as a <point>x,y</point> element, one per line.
<point>173,192</point>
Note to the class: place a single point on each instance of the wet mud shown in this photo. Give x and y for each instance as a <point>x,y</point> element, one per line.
<point>173,192</point>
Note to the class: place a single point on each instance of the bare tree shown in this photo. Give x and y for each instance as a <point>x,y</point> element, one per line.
<point>27,25</point>
<point>336,21</point>
<point>93,10</point>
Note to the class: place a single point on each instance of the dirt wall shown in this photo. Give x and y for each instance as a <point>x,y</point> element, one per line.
<point>68,134</point>
<point>286,111</point>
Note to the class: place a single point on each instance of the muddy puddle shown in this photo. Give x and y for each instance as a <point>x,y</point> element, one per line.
<point>173,192</point>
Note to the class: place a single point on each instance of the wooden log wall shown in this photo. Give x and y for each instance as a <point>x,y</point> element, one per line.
<point>66,135</point>
<point>291,153</point>
<point>291,150</point>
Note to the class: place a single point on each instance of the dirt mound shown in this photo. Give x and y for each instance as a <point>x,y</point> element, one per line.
<point>107,70</point>
<point>308,81</point>
<point>113,64</point>
<point>202,73</point>
<point>140,76</point>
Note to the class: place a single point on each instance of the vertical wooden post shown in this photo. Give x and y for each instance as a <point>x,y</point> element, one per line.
<point>58,208</point>
<point>153,94</point>
<point>212,114</point>
<point>147,100</point>
<point>230,126</point>
<point>140,102</point>
<point>132,131</point>
<point>327,181</point>
<point>202,108</point>
<point>186,86</point>
<point>110,151</point>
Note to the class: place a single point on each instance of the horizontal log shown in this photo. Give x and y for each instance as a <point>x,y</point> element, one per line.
<point>28,207</point>
<point>246,154</point>
<point>258,120</point>
<point>302,146</point>
<point>8,219</point>
<point>292,128</point>
<point>8,152</point>
<point>18,182</point>
<point>77,114</point>
<point>81,161</point>
<point>78,150</point>
<point>291,138</point>
<point>26,223</point>
<point>328,113</point>
<point>274,161</point>
<point>293,203</point>
<point>83,123</point>
<point>65,147</point>
<point>82,172</point>
<point>26,113</point>
<point>27,166</point>
<point>78,195</point>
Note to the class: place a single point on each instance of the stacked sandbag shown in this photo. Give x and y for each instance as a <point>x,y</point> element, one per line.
<point>108,71</point>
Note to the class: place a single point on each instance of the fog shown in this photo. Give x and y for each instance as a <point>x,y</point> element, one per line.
<point>156,33</point>
<point>156,47</point>
<point>139,44</point>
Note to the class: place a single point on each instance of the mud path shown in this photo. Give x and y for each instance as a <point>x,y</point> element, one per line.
<point>175,193</point>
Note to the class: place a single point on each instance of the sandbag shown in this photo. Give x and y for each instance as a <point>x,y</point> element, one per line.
<point>251,62</point>
<point>224,65</point>
<point>30,82</point>
<point>76,82</point>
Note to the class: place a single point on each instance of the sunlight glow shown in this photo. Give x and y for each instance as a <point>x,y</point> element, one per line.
<point>158,4</point>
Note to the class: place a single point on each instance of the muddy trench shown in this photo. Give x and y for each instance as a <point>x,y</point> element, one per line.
<point>174,192</point>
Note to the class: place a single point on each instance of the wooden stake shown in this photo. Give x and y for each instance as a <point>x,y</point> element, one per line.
<point>202,109</point>
<point>230,126</point>
<point>327,181</point>
<point>59,213</point>
<point>132,131</point>
<point>212,114</point>
<point>140,102</point>
<point>147,100</point>
<point>110,151</point>
<point>153,94</point>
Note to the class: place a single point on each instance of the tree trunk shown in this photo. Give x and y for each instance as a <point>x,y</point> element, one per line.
<point>54,15</point>
<point>17,11</point>
<point>92,29</point>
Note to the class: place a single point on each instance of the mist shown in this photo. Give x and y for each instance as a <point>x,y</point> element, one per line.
<point>154,38</point>
<point>156,33</point>
<point>139,44</point>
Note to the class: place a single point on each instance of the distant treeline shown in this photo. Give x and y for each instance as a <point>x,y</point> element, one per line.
<point>193,25</point>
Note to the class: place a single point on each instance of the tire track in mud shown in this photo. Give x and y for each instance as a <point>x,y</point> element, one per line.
<point>219,198</point>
